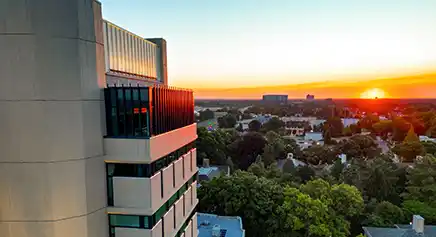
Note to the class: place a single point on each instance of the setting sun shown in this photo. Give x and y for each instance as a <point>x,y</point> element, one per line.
<point>373,94</point>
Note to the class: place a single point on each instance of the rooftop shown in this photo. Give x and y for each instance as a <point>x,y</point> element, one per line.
<point>206,170</point>
<point>231,226</point>
<point>208,173</point>
<point>400,231</point>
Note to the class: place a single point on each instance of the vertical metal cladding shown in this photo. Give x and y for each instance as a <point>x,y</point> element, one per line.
<point>128,53</point>
<point>147,111</point>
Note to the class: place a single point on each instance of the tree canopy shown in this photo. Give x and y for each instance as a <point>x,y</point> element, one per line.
<point>245,149</point>
<point>274,124</point>
<point>410,148</point>
<point>254,126</point>
<point>227,121</point>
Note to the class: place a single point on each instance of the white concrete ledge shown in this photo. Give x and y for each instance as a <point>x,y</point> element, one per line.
<point>148,150</point>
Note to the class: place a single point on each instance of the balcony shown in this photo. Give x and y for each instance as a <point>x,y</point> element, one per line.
<point>132,191</point>
<point>144,112</point>
<point>147,123</point>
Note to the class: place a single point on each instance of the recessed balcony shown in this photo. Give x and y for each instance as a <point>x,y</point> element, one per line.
<point>145,112</point>
<point>146,123</point>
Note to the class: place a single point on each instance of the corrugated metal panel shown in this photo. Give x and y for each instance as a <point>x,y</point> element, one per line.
<point>126,52</point>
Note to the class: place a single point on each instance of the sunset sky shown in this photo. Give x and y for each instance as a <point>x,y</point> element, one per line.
<point>331,48</point>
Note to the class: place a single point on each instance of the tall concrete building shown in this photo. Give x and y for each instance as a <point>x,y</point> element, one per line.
<point>93,142</point>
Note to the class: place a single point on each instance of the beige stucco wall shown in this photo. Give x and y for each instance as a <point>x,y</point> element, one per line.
<point>51,150</point>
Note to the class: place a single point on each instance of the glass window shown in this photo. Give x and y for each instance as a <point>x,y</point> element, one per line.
<point>121,113</point>
<point>124,221</point>
<point>182,190</point>
<point>110,169</point>
<point>110,191</point>
<point>159,213</point>
<point>172,199</point>
<point>125,170</point>
<point>147,223</point>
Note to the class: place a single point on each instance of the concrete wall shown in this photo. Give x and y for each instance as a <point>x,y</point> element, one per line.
<point>51,167</point>
<point>148,150</point>
<point>162,63</point>
<point>128,189</point>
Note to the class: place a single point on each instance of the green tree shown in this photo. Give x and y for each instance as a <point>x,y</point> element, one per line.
<point>344,199</point>
<point>431,132</point>
<point>304,173</point>
<point>429,147</point>
<point>306,216</point>
<point>385,214</point>
<point>243,194</point>
<point>244,150</point>
<point>275,148</point>
<point>383,128</point>
<point>228,121</point>
<point>355,129</point>
<point>274,124</point>
<point>411,136</point>
<point>320,209</point>
<point>410,148</point>
<point>206,115</point>
<point>347,131</point>
<point>210,145</point>
<point>291,146</point>
<point>359,146</point>
<point>335,125</point>
<point>254,126</point>
<point>368,121</point>
<point>337,169</point>
<point>327,135</point>
<point>320,155</point>
<point>413,207</point>
<point>379,179</point>
<point>421,181</point>
<point>289,167</point>
<point>400,128</point>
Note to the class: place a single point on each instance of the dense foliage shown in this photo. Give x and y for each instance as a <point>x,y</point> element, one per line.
<point>325,197</point>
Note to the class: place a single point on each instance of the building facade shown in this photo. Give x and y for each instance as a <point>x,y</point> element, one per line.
<point>94,142</point>
<point>275,98</point>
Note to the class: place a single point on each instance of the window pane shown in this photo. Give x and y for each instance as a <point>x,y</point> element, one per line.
<point>124,221</point>
<point>110,169</point>
<point>121,113</point>
<point>125,170</point>
<point>159,214</point>
<point>147,222</point>
<point>172,199</point>
<point>110,191</point>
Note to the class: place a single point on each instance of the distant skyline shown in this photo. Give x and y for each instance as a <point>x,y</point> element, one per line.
<point>214,45</point>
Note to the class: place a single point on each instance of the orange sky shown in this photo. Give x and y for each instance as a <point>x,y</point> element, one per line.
<point>419,86</point>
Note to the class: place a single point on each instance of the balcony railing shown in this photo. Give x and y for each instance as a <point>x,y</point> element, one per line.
<point>143,112</point>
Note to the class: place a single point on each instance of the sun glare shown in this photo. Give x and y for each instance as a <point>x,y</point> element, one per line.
<point>373,93</point>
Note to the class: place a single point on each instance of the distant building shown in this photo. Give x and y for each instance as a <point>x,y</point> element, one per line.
<point>417,228</point>
<point>313,136</point>
<point>210,225</point>
<point>208,173</point>
<point>426,139</point>
<point>348,121</point>
<point>261,118</point>
<point>295,131</point>
<point>310,97</point>
<point>275,98</point>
